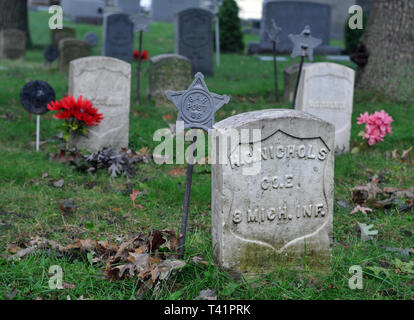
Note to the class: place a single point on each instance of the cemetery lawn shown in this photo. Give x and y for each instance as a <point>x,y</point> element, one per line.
<point>29,202</point>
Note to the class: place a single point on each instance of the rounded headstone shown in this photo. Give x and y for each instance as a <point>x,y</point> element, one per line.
<point>92,38</point>
<point>51,53</point>
<point>36,95</point>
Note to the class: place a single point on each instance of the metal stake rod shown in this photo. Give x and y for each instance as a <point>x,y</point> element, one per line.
<point>181,243</point>
<point>217,41</point>
<point>275,72</point>
<point>37,132</point>
<point>139,68</point>
<point>297,81</point>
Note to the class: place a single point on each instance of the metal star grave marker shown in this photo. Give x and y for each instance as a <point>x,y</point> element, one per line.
<point>196,108</point>
<point>273,33</point>
<point>303,45</point>
<point>196,105</point>
<point>34,97</point>
<point>141,25</point>
<point>50,54</point>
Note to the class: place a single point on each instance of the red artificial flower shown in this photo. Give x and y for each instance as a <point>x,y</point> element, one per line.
<point>136,54</point>
<point>143,55</point>
<point>80,109</point>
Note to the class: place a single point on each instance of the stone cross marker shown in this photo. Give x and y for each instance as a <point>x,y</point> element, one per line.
<point>71,49</point>
<point>282,211</point>
<point>106,82</point>
<point>327,91</point>
<point>118,36</point>
<point>196,105</point>
<point>12,44</point>
<point>162,69</point>
<point>194,38</point>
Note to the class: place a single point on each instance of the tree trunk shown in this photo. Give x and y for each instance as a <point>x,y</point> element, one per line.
<point>389,42</point>
<point>14,15</point>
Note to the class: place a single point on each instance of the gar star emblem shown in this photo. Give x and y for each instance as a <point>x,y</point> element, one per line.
<point>141,22</point>
<point>273,32</point>
<point>197,105</point>
<point>304,43</point>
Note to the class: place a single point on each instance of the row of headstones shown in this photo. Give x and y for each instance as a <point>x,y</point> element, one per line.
<point>194,40</point>
<point>279,211</point>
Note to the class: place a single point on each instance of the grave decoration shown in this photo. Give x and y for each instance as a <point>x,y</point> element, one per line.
<point>34,97</point>
<point>91,38</point>
<point>78,115</point>
<point>141,23</point>
<point>196,108</point>
<point>303,45</point>
<point>50,54</point>
<point>273,33</point>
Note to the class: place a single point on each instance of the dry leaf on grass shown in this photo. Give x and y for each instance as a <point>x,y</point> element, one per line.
<point>358,208</point>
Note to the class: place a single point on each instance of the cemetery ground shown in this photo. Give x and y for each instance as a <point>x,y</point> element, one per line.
<point>31,190</point>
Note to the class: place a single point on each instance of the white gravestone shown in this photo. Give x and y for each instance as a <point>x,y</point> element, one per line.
<point>327,91</point>
<point>106,82</point>
<point>272,196</point>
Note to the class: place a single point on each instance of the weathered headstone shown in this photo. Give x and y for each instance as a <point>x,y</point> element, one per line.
<point>291,16</point>
<point>164,10</point>
<point>194,38</point>
<point>51,53</point>
<point>59,34</point>
<point>290,76</point>
<point>272,196</point>
<point>106,82</point>
<point>164,68</point>
<point>12,44</point>
<point>327,91</point>
<point>118,36</point>
<point>84,11</point>
<point>71,49</point>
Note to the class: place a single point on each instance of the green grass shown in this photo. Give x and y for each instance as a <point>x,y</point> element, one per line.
<point>29,205</point>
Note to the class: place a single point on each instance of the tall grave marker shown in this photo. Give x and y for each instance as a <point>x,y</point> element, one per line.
<point>196,108</point>
<point>118,36</point>
<point>141,23</point>
<point>194,38</point>
<point>280,214</point>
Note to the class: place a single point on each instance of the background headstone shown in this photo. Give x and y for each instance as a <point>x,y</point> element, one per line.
<point>51,53</point>
<point>118,36</point>
<point>71,49</point>
<point>327,91</point>
<point>292,16</point>
<point>58,34</point>
<point>12,44</point>
<point>290,76</point>
<point>283,210</point>
<point>106,82</point>
<point>164,68</point>
<point>129,7</point>
<point>84,11</point>
<point>164,10</point>
<point>194,39</point>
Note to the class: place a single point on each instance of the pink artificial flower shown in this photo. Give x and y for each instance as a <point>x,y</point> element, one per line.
<point>377,125</point>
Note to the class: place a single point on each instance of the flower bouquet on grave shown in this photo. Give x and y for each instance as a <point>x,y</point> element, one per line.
<point>77,115</point>
<point>377,126</point>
